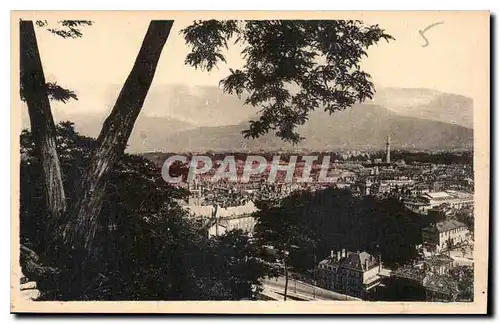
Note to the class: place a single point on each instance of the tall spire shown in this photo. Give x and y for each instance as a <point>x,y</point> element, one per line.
<point>388,149</point>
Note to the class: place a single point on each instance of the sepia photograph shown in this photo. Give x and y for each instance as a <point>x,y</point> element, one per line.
<point>250,162</point>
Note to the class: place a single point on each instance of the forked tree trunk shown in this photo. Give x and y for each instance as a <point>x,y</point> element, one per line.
<point>42,124</point>
<point>80,229</point>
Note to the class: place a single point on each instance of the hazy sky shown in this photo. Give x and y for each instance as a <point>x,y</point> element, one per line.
<point>104,56</point>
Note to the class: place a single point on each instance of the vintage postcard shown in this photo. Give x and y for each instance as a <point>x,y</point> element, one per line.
<point>250,162</point>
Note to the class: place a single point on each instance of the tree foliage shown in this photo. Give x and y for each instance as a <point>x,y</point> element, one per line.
<point>279,227</point>
<point>334,219</point>
<point>66,28</point>
<point>54,92</point>
<point>291,66</point>
<point>146,248</point>
<point>282,233</point>
<point>464,276</point>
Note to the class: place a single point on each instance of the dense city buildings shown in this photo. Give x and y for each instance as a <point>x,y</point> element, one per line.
<point>438,190</point>
<point>426,280</point>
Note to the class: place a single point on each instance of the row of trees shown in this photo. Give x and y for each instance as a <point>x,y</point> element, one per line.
<point>334,219</point>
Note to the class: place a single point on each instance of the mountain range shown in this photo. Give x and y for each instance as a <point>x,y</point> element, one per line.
<point>179,118</point>
<point>363,126</point>
<point>428,104</point>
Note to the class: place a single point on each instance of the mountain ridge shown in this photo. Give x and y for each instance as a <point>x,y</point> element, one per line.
<point>427,104</point>
<point>362,126</point>
<point>413,115</point>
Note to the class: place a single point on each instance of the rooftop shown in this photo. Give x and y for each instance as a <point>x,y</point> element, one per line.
<point>448,195</point>
<point>439,259</point>
<point>207,210</point>
<point>448,225</point>
<point>441,284</point>
<point>362,261</point>
<point>445,226</point>
<point>437,195</point>
<point>410,272</point>
<point>329,261</point>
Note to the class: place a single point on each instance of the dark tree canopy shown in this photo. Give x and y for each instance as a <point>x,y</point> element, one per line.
<point>464,276</point>
<point>146,247</point>
<point>291,66</point>
<point>335,219</point>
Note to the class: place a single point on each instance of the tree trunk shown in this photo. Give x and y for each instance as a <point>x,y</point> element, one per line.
<point>286,279</point>
<point>42,123</point>
<point>80,229</point>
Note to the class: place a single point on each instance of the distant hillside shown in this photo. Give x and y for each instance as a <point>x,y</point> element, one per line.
<point>362,126</point>
<point>209,106</point>
<point>149,132</point>
<point>367,125</point>
<point>428,104</point>
<point>198,105</point>
<point>172,116</point>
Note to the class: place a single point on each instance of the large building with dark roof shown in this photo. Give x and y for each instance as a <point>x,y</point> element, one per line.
<point>354,274</point>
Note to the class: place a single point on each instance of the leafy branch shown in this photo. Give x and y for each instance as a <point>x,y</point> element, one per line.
<point>291,66</point>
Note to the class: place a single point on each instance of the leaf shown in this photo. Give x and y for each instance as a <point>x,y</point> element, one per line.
<point>70,28</point>
<point>58,93</point>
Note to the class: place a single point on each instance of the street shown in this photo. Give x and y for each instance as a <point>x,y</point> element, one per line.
<point>303,289</point>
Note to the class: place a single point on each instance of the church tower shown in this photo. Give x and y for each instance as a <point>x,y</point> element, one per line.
<point>388,149</point>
